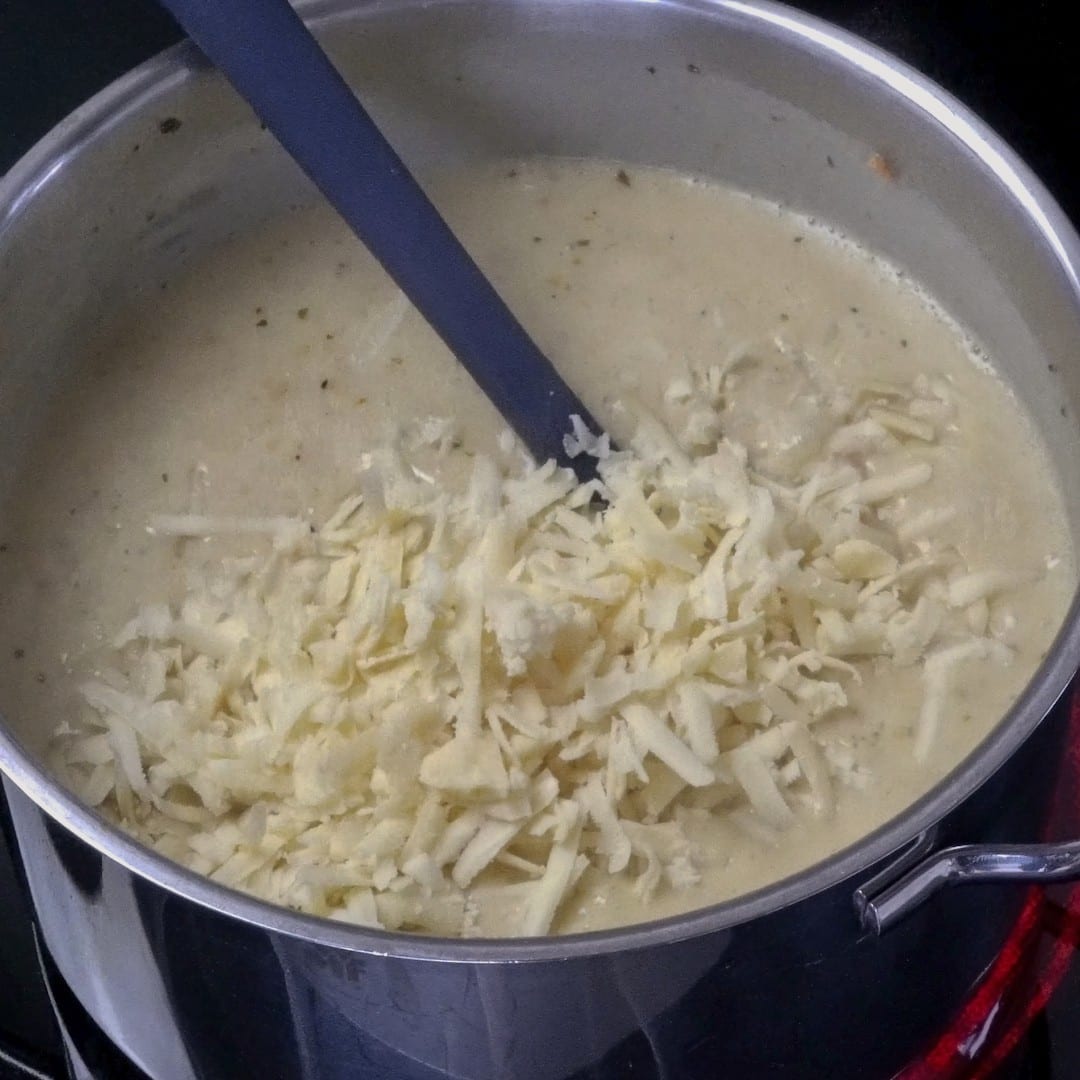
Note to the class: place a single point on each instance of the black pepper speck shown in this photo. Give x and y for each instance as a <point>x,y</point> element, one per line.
<point>169,125</point>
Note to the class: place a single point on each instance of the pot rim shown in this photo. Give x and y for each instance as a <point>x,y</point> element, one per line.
<point>153,81</point>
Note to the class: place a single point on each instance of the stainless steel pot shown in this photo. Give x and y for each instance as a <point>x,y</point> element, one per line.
<point>193,980</point>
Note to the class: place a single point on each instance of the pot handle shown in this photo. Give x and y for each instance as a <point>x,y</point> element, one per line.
<point>916,876</point>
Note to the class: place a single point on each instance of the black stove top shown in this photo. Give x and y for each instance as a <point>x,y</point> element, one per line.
<point>1014,64</point>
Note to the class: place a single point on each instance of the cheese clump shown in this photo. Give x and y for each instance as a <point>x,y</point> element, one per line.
<point>441,704</point>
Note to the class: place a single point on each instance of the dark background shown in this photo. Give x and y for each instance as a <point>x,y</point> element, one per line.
<point>1014,63</point>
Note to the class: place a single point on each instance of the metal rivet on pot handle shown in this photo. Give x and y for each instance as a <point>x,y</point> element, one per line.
<point>880,905</point>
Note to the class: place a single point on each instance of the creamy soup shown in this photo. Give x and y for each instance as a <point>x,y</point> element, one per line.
<point>909,569</point>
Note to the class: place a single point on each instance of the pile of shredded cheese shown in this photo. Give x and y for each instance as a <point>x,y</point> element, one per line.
<point>434,691</point>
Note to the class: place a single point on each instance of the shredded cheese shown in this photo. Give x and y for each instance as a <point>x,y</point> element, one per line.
<point>439,700</point>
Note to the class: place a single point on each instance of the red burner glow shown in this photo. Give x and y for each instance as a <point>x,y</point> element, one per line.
<point>1030,966</point>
